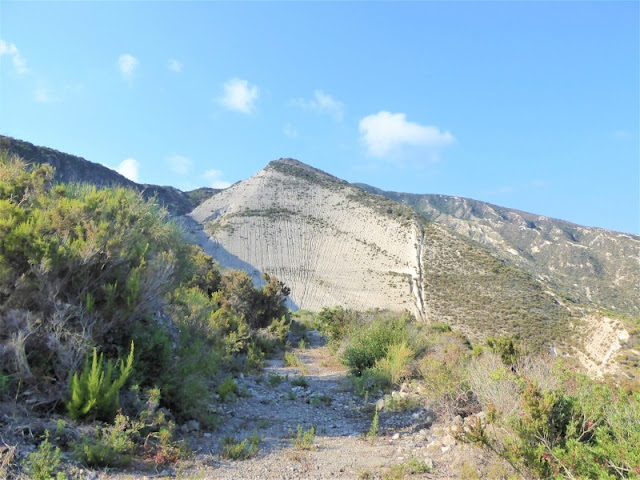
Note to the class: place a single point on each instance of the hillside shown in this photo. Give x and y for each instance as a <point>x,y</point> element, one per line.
<point>70,168</point>
<point>334,244</point>
<point>588,265</point>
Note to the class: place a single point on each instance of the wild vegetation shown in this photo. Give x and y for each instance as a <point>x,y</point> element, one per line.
<point>112,322</point>
<point>107,312</point>
<point>541,415</point>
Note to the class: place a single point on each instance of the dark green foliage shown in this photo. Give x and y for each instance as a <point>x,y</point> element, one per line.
<point>506,347</point>
<point>95,392</point>
<point>334,322</point>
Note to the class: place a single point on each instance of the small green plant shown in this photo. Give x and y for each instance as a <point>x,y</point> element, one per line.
<point>4,383</point>
<point>112,446</point>
<point>300,382</point>
<point>274,380</point>
<point>304,438</point>
<point>372,434</point>
<point>43,463</point>
<point>441,327</point>
<point>412,467</point>
<point>302,344</point>
<point>322,399</point>
<point>94,391</point>
<point>227,388</point>
<point>240,450</point>
<point>293,360</point>
<point>397,403</point>
<point>60,427</point>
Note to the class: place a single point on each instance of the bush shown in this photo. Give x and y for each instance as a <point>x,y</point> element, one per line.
<point>577,429</point>
<point>368,345</point>
<point>94,392</point>
<point>395,364</point>
<point>304,438</point>
<point>112,446</point>
<point>43,463</point>
<point>227,388</point>
<point>240,450</point>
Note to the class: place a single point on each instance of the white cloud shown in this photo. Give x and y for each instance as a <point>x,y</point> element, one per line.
<point>127,64</point>
<point>239,95</point>
<point>179,164</point>
<point>174,65</point>
<point>214,177</point>
<point>18,61</point>
<point>44,95</point>
<point>322,103</point>
<point>384,133</point>
<point>129,168</point>
<point>290,131</point>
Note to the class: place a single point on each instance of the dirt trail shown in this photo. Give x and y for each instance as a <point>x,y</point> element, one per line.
<point>272,405</point>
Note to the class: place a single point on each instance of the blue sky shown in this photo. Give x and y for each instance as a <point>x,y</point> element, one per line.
<point>529,105</point>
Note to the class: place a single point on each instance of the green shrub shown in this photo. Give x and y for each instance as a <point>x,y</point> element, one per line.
<point>274,380</point>
<point>227,388</point>
<point>112,446</point>
<point>300,382</point>
<point>240,450</point>
<point>293,360</point>
<point>374,429</point>
<point>395,363</point>
<point>95,392</point>
<point>371,380</point>
<point>368,345</point>
<point>304,438</point>
<point>506,347</point>
<point>43,463</point>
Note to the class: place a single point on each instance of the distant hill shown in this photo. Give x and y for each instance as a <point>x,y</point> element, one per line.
<point>587,265</point>
<point>70,168</point>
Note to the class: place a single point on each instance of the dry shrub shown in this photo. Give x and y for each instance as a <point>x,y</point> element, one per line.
<point>494,385</point>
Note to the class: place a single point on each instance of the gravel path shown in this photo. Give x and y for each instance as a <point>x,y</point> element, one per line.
<point>272,405</point>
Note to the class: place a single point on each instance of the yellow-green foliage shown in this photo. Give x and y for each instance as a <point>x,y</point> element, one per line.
<point>43,463</point>
<point>369,345</point>
<point>95,391</point>
<point>304,438</point>
<point>112,446</point>
<point>395,364</point>
<point>240,450</point>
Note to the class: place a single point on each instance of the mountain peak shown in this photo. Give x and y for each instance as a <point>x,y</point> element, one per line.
<point>296,168</point>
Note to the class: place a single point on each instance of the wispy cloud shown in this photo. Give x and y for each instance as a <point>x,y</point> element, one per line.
<point>127,64</point>
<point>290,131</point>
<point>18,61</point>
<point>321,103</point>
<point>179,164</point>
<point>214,177</point>
<point>44,95</point>
<point>174,65</point>
<point>386,133</point>
<point>129,168</point>
<point>239,95</point>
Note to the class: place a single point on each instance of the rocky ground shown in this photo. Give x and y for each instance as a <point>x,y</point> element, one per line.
<point>411,442</point>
